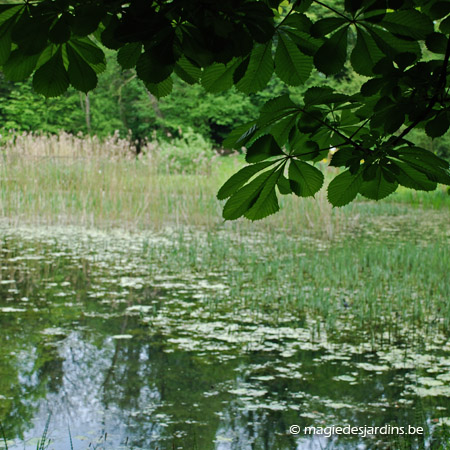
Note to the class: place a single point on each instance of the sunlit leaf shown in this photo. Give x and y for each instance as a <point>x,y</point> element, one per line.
<point>240,178</point>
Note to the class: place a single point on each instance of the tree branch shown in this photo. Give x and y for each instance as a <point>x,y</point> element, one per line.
<point>347,139</point>
<point>433,100</point>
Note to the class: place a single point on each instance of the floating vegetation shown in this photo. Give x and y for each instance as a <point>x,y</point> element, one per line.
<point>187,339</point>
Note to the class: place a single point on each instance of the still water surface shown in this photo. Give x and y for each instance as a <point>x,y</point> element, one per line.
<point>98,330</point>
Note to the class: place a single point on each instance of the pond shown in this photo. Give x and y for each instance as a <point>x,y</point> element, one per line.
<point>192,340</point>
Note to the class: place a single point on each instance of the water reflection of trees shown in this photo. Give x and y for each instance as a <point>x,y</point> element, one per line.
<point>139,390</point>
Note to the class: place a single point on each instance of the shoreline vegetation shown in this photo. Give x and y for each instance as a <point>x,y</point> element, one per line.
<point>381,261</point>
<point>77,180</point>
<point>370,276</point>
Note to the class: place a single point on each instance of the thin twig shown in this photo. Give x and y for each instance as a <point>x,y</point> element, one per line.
<point>332,9</point>
<point>289,13</point>
<point>360,128</point>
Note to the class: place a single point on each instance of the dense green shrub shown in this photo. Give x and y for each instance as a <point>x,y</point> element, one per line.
<point>189,154</point>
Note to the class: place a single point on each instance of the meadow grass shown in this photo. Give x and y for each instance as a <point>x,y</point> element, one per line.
<point>73,180</point>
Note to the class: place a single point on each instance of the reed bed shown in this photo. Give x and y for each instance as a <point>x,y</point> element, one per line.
<point>66,179</point>
<point>389,287</point>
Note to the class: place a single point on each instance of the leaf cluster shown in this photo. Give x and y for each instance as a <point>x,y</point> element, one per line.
<point>401,47</point>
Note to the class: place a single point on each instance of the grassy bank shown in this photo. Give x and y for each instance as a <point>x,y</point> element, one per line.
<point>71,180</point>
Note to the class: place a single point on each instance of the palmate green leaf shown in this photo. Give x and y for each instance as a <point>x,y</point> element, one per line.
<point>9,11</point>
<point>90,52</point>
<point>411,178</point>
<point>86,18</point>
<point>311,121</point>
<point>302,6</point>
<point>187,71</point>
<point>439,10</point>
<point>240,70</point>
<point>81,74</point>
<point>259,70</point>
<point>325,26</point>
<point>395,117</point>
<point>331,56</point>
<point>276,109</point>
<point>240,135</point>
<point>291,65</point>
<point>263,148</point>
<point>267,201</point>
<point>344,157</point>
<point>410,23</point>
<point>304,41</point>
<point>49,52</point>
<point>365,53</point>
<point>391,45</point>
<point>19,66</point>
<point>60,31</point>
<point>422,155</point>
<point>242,200</point>
<point>438,125</point>
<point>283,185</point>
<point>7,20</point>
<point>299,22</point>
<point>304,179</point>
<point>433,173</point>
<point>344,188</point>
<point>378,187</point>
<point>301,146</point>
<point>129,54</point>
<point>258,20</point>
<point>162,89</point>
<point>323,95</point>
<point>150,70</point>
<point>51,79</point>
<point>5,40</point>
<point>31,35</point>
<point>281,130</point>
<point>219,77</point>
<point>388,116</point>
<point>240,178</point>
<point>435,168</point>
<point>436,43</point>
<point>372,86</point>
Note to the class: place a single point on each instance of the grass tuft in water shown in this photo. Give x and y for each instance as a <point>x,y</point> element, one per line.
<point>43,442</point>
<point>4,436</point>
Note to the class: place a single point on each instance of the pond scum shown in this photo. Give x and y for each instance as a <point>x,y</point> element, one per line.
<point>331,315</point>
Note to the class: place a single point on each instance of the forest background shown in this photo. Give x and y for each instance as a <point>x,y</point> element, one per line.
<point>122,105</point>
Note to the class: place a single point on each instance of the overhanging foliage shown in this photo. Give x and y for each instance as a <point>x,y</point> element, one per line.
<point>401,46</point>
